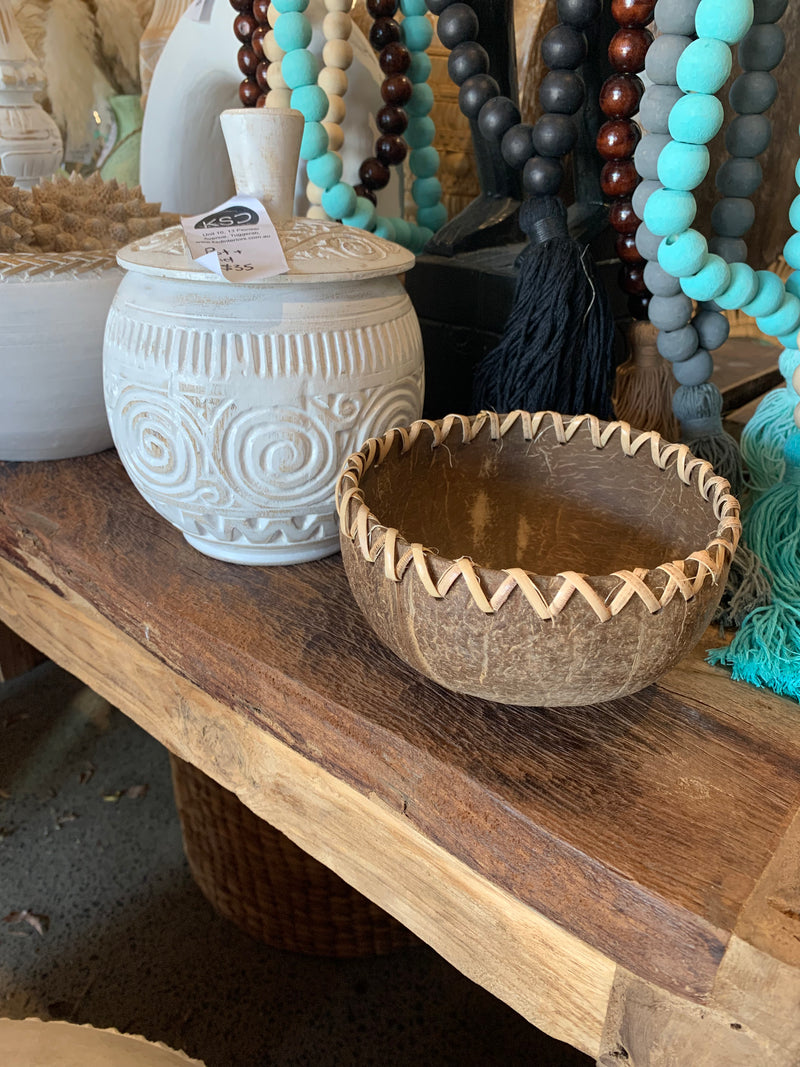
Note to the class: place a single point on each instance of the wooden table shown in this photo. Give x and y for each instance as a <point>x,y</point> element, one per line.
<point>626,876</point>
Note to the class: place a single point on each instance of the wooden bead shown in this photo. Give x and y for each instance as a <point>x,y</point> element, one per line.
<point>625,247</point>
<point>383,32</point>
<point>313,193</point>
<point>249,92</point>
<point>278,98</point>
<point>274,76</point>
<point>257,41</point>
<point>374,174</point>
<point>241,5</point>
<point>630,13</point>
<point>335,135</point>
<point>337,54</point>
<point>638,304</point>
<point>391,150</point>
<point>316,211</point>
<point>622,217</point>
<point>272,51</point>
<point>628,49</point>
<point>618,178</point>
<point>391,119</point>
<point>631,279</point>
<point>620,96</point>
<point>261,11</point>
<point>262,100</point>
<point>272,15</point>
<point>333,81</point>
<point>247,60</point>
<point>395,58</point>
<point>396,89</point>
<point>362,190</point>
<point>338,5</point>
<point>243,26</point>
<point>617,139</point>
<point>336,110</point>
<point>382,9</point>
<point>337,26</point>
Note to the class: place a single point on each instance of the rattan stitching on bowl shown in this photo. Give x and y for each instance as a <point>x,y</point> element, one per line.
<point>684,577</point>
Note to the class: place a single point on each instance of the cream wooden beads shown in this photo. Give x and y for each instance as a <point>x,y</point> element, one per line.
<point>335,135</point>
<point>337,53</point>
<point>333,81</point>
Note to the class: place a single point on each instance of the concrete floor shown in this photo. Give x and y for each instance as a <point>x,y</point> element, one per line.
<point>129,942</point>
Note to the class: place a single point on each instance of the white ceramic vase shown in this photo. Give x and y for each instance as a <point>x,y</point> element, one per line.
<point>234,406</point>
<point>53,308</point>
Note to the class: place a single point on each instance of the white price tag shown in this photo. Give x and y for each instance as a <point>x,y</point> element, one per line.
<point>236,240</point>
<point>199,10</point>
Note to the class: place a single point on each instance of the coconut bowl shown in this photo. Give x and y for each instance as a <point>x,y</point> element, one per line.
<point>535,559</point>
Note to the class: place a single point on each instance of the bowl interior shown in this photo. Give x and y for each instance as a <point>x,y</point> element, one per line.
<point>540,505</point>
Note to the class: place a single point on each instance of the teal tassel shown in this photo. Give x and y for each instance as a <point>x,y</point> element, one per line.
<point>766,433</point>
<point>698,408</point>
<point>766,650</point>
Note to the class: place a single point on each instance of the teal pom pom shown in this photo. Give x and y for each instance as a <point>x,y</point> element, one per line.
<point>424,162</point>
<point>314,142</point>
<point>791,251</point>
<point>417,32</point>
<point>292,30</point>
<point>312,101</point>
<point>682,255</point>
<point>725,20</point>
<point>413,7</point>
<point>419,69</point>
<point>426,192</point>
<point>384,228</point>
<point>742,287</point>
<point>340,200</point>
<point>794,214</point>
<point>704,66</point>
<point>300,67</point>
<point>325,170</point>
<point>771,292</point>
<point>421,101</point>
<point>669,211</point>
<point>785,320</point>
<point>696,118</point>
<point>363,218</point>
<point>402,232</point>
<point>682,166</point>
<point>433,217</point>
<point>711,280</point>
<point>420,132</point>
<point>282,6</point>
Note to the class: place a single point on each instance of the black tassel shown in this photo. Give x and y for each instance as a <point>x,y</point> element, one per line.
<point>556,353</point>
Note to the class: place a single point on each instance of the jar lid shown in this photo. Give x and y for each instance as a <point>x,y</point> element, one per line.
<point>315,251</point>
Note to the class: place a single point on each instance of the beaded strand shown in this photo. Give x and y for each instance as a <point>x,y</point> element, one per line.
<point>248,58</point>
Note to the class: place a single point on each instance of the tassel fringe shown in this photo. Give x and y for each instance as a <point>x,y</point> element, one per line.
<point>644,385</point>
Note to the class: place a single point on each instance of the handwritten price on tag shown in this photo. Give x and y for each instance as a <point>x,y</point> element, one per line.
<point>236,240</point>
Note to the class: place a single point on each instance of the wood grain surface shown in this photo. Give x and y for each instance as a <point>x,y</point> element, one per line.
<point>649,831</point>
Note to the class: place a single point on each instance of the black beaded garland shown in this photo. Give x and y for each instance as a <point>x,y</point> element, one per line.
<point>579,14</point>
<point>562,92</point>
<point>554,135</point>
<point>564,48</point>
<point>517,145</point>
<point>542,176</point>
<point>475,92</point>
<point>497,116</point>
<point>466,59</point>
<point>457,23</point>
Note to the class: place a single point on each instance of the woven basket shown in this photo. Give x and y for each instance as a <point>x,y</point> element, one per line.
<point>534,559</point>
<point>255,876</point>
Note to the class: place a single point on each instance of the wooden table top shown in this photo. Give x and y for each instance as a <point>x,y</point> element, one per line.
<point>595,867</point>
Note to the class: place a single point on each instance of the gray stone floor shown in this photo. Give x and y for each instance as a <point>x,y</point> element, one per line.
<point>128,941</point>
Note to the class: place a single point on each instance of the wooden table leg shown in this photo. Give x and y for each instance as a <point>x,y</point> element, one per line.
<point>16,655</point>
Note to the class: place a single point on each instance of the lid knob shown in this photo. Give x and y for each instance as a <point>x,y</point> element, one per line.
<point>264,149</point>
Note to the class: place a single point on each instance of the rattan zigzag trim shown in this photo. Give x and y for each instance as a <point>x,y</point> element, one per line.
<point>31,263</point>
<point>684,577</point>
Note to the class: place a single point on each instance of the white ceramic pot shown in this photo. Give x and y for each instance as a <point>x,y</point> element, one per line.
<point>234,406</point>
<point>53,308</point>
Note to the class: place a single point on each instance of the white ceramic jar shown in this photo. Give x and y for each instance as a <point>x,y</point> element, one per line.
<point>234,406</point>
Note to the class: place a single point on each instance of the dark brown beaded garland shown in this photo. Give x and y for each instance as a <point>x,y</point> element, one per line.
<point>618,137</point>
<point>394,59</point>
<point>250,27</point>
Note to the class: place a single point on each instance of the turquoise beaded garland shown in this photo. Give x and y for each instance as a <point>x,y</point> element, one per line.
<point>704,66</point>
<point>696,118</point>
<point>682,166</point>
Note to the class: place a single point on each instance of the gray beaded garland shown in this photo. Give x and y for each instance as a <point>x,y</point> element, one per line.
<point>712,328</point>
<point>647,242</point>
<point>641,194</point>
<point>657,102</point>
<point>748,136</point>
<point>738,177</point>
<point>646,155</point>
<point>467,59</point>
<point>670,312</point>
<point>659,282</point>
<point>563,48</point>
<point>475,92</point>
<point>579,14</point>
<point>768,10</point>
<point>753,93</point>
<point>731,249</point>
<point>542,176</point>
<point>695,370</point>
<point>496,117</point>
<point>562,92</point>
<point>662,58</point>
<point>677,345</point>
<point>457,23</point>
<point>762,47</point>
<point>517,145</point>
<point>676,16</point>
<point>554,135</point>
<point>733,216</point>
